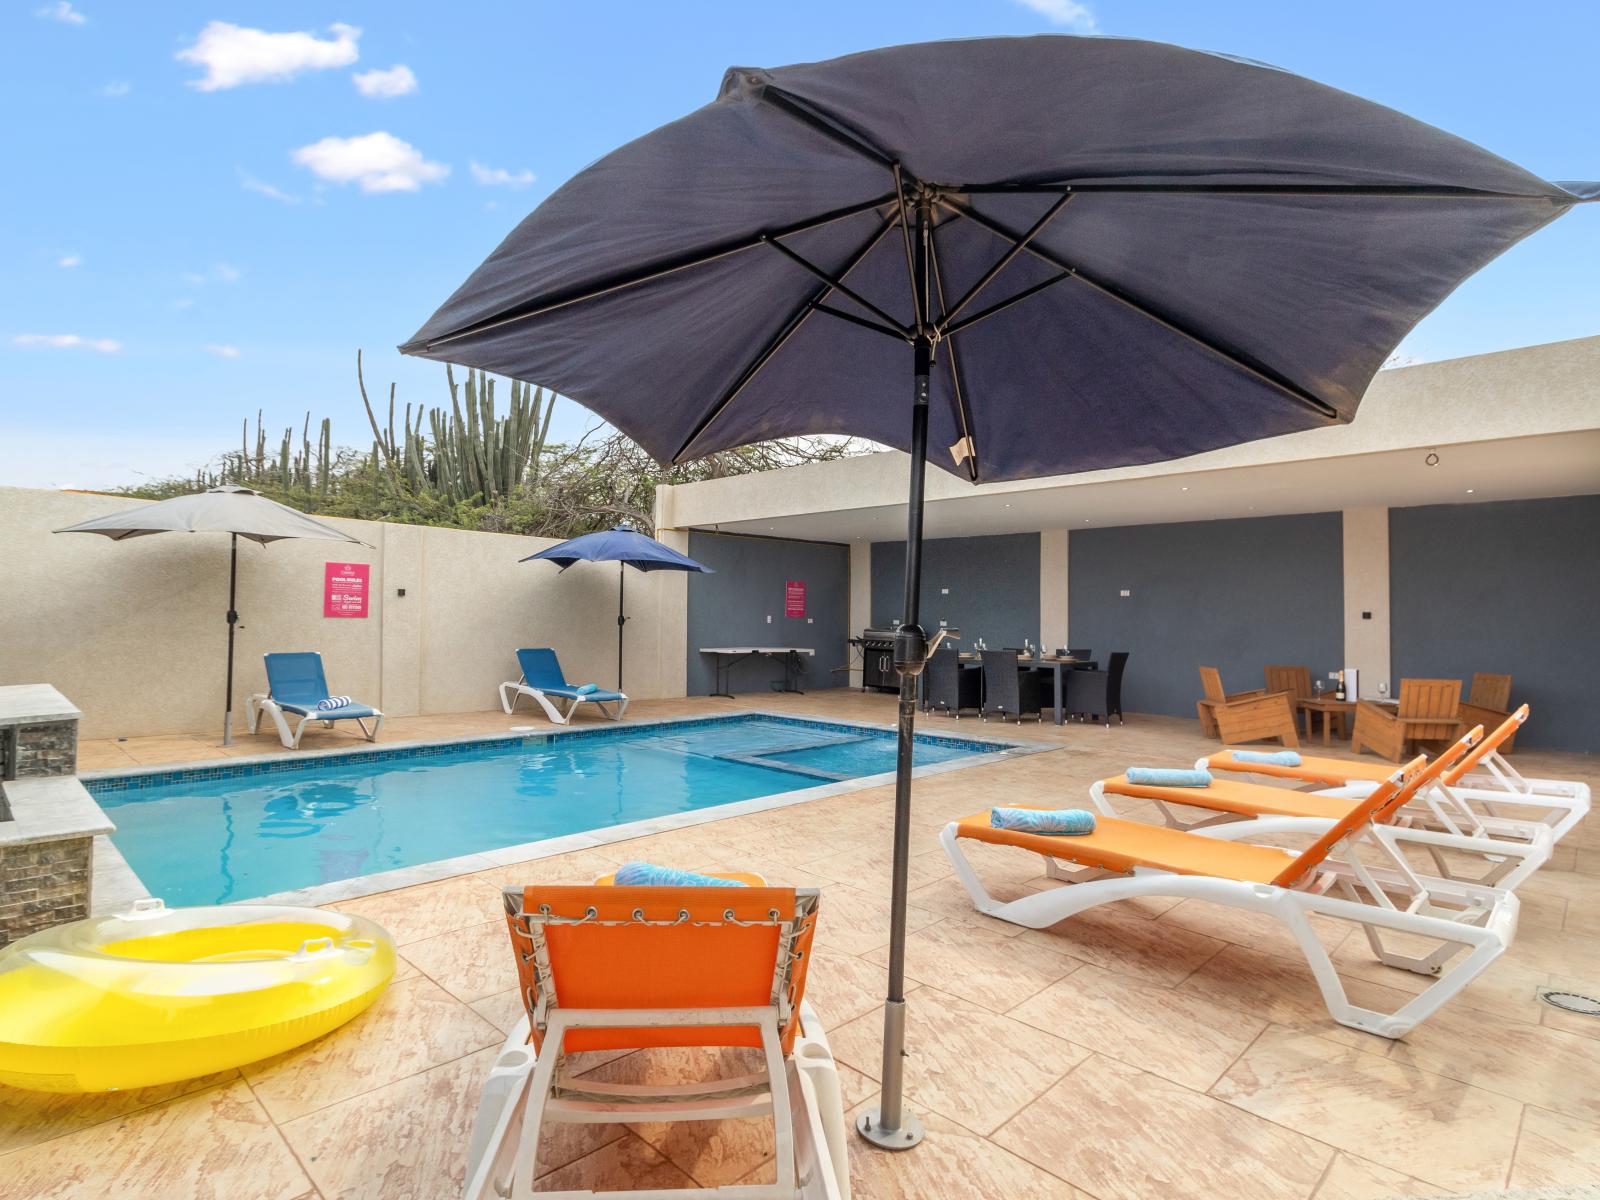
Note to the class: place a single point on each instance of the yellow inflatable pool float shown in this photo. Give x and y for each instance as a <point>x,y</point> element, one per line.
<point>155,995</point>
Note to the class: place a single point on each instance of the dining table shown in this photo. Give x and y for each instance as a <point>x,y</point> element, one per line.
<point>1056,664</point>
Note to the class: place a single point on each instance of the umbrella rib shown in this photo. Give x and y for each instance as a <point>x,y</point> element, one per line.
<point>1005,260</point>
<point>905,237</point>
<point>1001,305</point>
<point>540,306</point>
<point>1356,191</point>
<point>875,326</point>
<point>838,285</point>
<point>829,127</point>
<point>958,391</point>
<point>790,327</point>
<point>1234,358</point>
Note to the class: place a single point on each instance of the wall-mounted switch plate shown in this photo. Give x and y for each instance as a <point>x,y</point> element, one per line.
<point>769,618</point>
<point>1127,592</point>
<point>808,620</point>
<point>944,591</point>
<point>1366,616</point>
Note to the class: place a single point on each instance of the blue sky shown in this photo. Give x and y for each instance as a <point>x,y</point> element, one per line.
<point>185,238</point>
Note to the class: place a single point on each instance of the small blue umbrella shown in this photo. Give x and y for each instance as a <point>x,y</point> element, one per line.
<point>624,545</point>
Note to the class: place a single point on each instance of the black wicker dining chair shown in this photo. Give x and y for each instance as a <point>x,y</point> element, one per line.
<point>1097,694</point>
<point>1008,688</point>
<point>948,687</point>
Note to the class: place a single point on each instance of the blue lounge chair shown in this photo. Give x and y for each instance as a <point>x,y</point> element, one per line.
<point>296,685</point>
<point>542,679</point>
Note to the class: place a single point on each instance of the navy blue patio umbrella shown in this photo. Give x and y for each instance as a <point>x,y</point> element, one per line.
<point>625,545</point>
<point>1012,257</point>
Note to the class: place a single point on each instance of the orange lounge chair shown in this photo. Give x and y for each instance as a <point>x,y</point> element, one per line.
<point>1481,780</point>
<point>604,967</point>
<point>1125,859</point>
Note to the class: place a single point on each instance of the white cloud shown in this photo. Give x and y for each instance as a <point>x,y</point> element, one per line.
<point>251,184</point>
<point>500,177</point>
<point>116,89</point>
<point>378,162</point>
<point>226,273</point>
<point>67,341</point>
<point>234,55</point>
<point>68,261</point>
<point>222,351</point>
<point>62,11</point>
<point>1063,12</point>
<point>398,80</point>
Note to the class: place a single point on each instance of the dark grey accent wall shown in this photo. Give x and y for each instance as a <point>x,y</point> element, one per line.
<point>731,608</point>
<point>1234,595</point>
<point>993,586</point>
<point>1509,587</point>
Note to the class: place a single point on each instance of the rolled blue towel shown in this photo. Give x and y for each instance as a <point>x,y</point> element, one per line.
<point>333,702</point>
<point>1067,821</point>
<point>640,874</point>
<point>1168,777</point>
<point>1272,758</point>
<point>585,688</point>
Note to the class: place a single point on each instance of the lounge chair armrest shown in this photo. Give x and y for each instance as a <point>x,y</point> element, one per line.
<point>1250,695</point>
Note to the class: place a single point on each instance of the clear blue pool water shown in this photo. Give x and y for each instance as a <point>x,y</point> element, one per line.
<point>212,835</point>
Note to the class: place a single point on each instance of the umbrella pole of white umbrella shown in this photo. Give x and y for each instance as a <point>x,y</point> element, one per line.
<point>233,621</point>
<point>889,1126</point>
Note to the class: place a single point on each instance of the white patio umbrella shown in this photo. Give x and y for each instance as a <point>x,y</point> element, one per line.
<point>237,511</point>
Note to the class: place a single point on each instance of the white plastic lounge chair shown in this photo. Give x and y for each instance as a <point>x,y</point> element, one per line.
<point>542,679</point>
<point>297,686</point>
<point>1474,797</point>
<point>1509,851</point>
<point>1123,859</point>
<point>605,967</point>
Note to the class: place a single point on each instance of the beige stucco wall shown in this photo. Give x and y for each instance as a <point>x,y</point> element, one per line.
<point>1053,588</point>
<point>133,631</point>
<point>1366,589</point>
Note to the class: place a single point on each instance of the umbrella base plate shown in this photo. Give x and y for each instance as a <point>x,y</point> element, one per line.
<point>903,1138</point>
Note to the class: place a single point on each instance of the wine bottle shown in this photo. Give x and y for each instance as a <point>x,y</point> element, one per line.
<point>1339,691</point>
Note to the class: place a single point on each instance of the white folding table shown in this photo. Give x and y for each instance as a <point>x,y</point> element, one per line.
<point>725,658</point>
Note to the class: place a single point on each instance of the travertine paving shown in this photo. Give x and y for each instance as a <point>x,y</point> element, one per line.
<point>1152,1050</point>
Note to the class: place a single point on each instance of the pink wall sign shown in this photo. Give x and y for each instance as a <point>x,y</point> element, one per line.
<point>344,589</point>
<point>794,598</point>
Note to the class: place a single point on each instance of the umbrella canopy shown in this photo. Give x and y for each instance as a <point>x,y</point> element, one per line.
<point>1012,257</point>
<point>626,545</point>
<point>238,511</point>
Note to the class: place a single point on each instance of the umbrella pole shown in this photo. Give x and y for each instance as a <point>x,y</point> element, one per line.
<point>622,583</point>
<point>233,620</point>
<point>889,1126</point>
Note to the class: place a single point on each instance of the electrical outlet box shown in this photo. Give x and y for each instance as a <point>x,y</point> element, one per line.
<point>944,591</point>
<point>808,620</point>
<point>1127,592</point>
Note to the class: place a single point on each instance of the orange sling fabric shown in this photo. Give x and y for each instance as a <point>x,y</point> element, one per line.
<point>704,962</point>
<point>1236,796</point>
<point>1312,769</point>
<point>1484,748</point>
<point>1117,845</point>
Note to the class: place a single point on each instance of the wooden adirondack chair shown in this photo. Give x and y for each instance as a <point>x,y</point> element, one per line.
<point>1296,681</point>
<point>1488,704</point>
<point>1244,716</point>
<point>1428,711</point>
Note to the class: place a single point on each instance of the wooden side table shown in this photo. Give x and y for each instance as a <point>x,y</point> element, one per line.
<point>1331,710</point>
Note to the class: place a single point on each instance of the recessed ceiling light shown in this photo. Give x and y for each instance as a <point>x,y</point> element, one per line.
<point>1469,491</point>
<point>1185,489</point>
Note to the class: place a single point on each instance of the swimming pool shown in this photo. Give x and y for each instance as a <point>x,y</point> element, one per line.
<point>215,834</point>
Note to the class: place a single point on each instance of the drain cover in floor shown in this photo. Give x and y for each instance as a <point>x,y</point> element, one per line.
<point>1572,1002</point>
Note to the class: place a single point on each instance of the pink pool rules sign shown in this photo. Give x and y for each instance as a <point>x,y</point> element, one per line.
<point>794,598</point>
<point>344,589</point>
